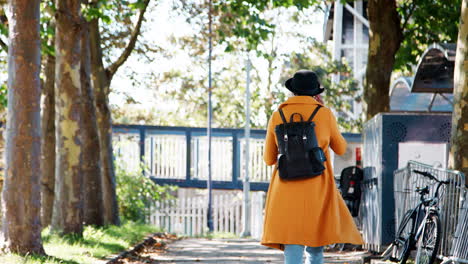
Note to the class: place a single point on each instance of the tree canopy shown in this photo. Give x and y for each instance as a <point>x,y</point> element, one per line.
<point>423,23</point>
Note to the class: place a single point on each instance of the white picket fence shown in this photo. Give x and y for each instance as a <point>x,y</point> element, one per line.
<point>188,216</point>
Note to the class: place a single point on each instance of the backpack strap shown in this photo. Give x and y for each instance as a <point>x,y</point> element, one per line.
<point>282,116</point>
<point>285,138</point>
<point>314,113</point>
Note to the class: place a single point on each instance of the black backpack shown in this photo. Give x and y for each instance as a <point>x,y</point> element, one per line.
<point>299,154</point>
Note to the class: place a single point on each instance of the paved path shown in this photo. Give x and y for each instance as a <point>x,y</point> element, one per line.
<point>233,251</point>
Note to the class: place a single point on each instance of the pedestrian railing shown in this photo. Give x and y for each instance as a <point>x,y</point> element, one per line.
<point>179,155</point>
<point>369,215</point>
<point>459,252</point>
<point>451,198</point>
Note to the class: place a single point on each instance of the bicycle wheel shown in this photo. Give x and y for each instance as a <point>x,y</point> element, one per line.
<point>404,240</point>
<point>429,240</point>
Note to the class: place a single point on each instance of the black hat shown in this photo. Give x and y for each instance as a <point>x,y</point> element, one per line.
<point>304,82</point>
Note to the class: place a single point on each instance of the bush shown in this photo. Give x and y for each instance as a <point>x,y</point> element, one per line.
<point>136,193</point>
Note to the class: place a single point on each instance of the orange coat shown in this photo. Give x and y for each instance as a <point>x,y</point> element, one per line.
<point>307,212</point>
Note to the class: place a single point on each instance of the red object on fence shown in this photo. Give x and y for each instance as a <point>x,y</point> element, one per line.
<point>358,157</point>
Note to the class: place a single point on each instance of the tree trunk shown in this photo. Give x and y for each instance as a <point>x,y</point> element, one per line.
<point>459,140</point>
<point>101,83</point>
<point>21,194</point>
<point>68,204</point>
<point>385,37</point>
<point>102,78</point>
<point>48,142</point>
<point>93,201</point>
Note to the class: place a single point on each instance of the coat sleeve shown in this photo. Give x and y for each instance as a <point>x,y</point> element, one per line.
<point>270,150</point>
<point>337,141</point>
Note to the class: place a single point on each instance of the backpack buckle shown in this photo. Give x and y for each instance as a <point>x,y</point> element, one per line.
<point>285,137</point>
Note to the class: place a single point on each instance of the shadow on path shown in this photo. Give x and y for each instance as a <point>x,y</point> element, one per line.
<point>230,251</point>
<point>218,251</point>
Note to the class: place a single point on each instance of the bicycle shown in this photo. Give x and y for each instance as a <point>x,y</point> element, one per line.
<point>420,228</point>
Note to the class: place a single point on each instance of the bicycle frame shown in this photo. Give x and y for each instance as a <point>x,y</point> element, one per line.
<point>420,214</point>
<point>423,209</point>
<point>420,224</point>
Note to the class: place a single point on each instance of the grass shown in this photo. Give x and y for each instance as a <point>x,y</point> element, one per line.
<point>93,247</point>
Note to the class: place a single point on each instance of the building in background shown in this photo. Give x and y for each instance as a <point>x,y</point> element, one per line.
<point>348,27</point>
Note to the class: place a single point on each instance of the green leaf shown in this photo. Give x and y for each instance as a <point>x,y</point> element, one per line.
<point>3,96</point>
<point>137,5</point>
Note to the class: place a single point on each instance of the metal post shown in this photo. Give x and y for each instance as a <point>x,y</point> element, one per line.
<point>337,35</point>
<point>358,51</point>
<point>235,158</point>
<point>188,145</point>
<point>210,116</point>
<point>357,40</point>
<point>142,142</point>
<point>246,208</point>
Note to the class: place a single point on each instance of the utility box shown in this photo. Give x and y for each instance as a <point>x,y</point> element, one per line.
<point>389,141</point>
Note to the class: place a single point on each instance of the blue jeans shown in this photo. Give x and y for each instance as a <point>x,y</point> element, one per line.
<point>293,254</point>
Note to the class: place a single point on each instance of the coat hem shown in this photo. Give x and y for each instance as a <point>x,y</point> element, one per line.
<point>280,245</point>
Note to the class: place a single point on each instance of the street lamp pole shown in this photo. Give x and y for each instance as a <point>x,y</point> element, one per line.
<point>246,208</point>
<point>210,117</point>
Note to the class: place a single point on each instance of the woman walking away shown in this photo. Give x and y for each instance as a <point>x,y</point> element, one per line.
<point>304,209</point>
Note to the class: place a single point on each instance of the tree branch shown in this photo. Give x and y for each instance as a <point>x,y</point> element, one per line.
<point>112,69</point>
<point>3,45</point>
<point>3,21</point>
<point>410,13</point>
